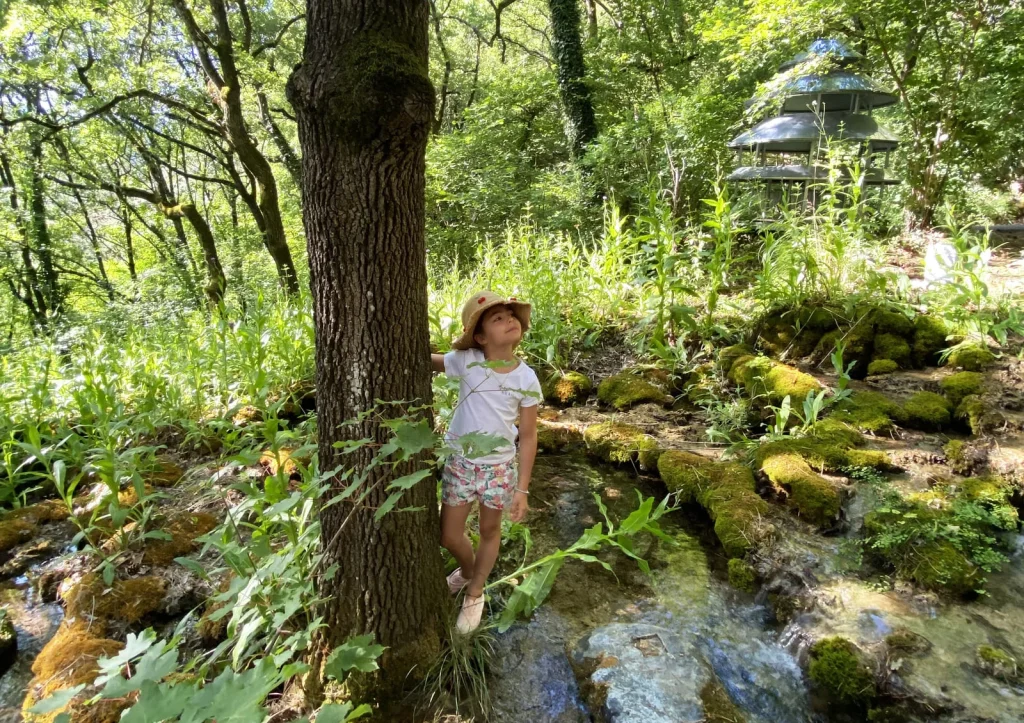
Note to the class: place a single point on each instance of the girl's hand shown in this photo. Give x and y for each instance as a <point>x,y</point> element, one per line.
<point>520,505</point>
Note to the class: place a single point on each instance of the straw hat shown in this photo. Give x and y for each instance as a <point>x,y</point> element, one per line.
<point>475,307</point>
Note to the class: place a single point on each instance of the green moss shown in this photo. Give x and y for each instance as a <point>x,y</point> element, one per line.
<point>554,439</point>
<point>903,642</point>
<point>127,600</point>
<point>15,531</point>
<point>893,322</point>
<point>766,380</point>
<point>780,336</point>
<point>728,356</point>
<point>625,389</point>
<point>870,412</point>
<point>882,366</point>
<point>566,388</point>
<point>183,530</point>
<point>167,474</point>
<point>622,444</point>
<point>890,346</point>
<point>831,445</point>
<point>724,489</point>
<point>813,497</point>
<point>972,356</point>
<point>960,385</point>
<point>976,416</point>
<point>718,707</point>
<point>837,669</point>
<point>700,387</point>
<point>956,458</point>
<point>929,339</point>
<point>741,575</point>
<point>927,411</point>
<point>940,566</point>
<point>858,344</point>
<point>997,663</point>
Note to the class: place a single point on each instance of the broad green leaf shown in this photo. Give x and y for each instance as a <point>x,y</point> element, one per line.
<point>407,481</point>
<point>56,701</point>
<point>357,653</point>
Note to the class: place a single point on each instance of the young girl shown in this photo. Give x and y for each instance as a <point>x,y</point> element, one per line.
<point>495,388</point>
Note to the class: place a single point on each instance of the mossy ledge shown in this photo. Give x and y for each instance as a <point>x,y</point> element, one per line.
<point>870,412</point>
<point>814,498</point>
<point>725,490</point>
<point>622,444</point>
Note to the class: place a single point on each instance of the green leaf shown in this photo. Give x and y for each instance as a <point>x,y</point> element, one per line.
<point>357,653</point>
<point>334,713</point>
<point>385,508</point>
<point>407,481</point>
<point>412,439</point>
<point>56,701</point>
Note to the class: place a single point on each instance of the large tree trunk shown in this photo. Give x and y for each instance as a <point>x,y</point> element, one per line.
<point>580,125</point>
<point>364,105</point>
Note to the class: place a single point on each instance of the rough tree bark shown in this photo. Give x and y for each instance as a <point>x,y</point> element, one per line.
<point>364,107</point>
<point>580,125</point>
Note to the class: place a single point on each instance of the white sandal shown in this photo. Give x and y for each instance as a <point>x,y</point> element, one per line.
<point>456,581</point>
<point>469,616</point>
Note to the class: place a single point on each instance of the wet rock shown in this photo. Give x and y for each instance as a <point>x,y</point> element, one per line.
<point>26,555</point>
<point>978,416</point>
<point>8,643</point>
<point>13,532</point>
<point>965,457</point>
<point>531,678</point>
<point>997,663</point>
<point>639,673</point>
<point>555,438</point>
<point>839,669</point>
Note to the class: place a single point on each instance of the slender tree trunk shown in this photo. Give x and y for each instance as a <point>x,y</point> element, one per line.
<point>224,86</point>
<point>364,106</point>
<point>591,7</point>
<point>289,158</point>
<point>580,125</point>
<point>41,241</point>
<point>94,242</point>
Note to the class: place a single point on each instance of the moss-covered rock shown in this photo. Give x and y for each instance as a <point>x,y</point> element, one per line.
<point>858,345</point>
<point>786,336</point>
<point>882,366</point>
<point>725,490</point>
<point>183,530</point>
<point>869,411</point>
<point>831,445</point>
<point>40,513</point>
<point>902,642</point>
<point>14,532</point>
<point>929,340</point>
<point>718,707</point>
<point>555,438</point>
<point>213,624</point>
<point>128,600</point>
<point>960,385</point>
<point>838,671</point>
<point>977,416</point>
<point>972,356</point>
<point>814,498</point>
<point>893,322</point>
<point>566,388</point>
<point>765,380</point>
<point>892,347</point>
<point>627,388</point>
<point>167,473</point>
<point>927,411</point>
<point>727,357</point>
<point>997,663</point>
<point>622,444</point>
<point>68,659</point>
<point>742,575</point>
<point>958,457</point>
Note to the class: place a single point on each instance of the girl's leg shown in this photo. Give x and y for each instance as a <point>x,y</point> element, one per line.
<point>454,539</point>
<point>486,551</point>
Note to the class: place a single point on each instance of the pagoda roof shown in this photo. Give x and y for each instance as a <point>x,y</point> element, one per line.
<point>797,132</point>
<point>820,47</point>
<point>836,89</point>
<point>801,174</point>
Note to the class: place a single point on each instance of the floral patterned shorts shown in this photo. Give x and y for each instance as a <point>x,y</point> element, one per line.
<point>464,481</point>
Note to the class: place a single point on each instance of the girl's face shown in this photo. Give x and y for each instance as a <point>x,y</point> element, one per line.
<point>499,327</point>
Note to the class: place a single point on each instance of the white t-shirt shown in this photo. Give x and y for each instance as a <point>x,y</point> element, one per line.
<point>489,402</point>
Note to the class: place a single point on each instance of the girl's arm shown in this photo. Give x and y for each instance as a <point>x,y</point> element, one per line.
<point>437,363</point>
<point>527,454</point>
